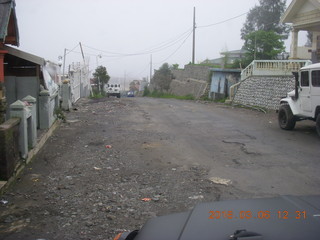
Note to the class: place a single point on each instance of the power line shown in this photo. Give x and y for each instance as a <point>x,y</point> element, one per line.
<point>68,51</point>
<point>227,20</point>
<point>157,48</point>
<point>176,49</point>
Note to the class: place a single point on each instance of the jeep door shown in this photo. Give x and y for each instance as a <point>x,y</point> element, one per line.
<point>305,91</point>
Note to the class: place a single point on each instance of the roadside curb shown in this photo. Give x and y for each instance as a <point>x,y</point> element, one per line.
<point>4,185</point>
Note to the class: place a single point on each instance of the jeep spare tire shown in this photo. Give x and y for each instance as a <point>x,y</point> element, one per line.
<point>285,118</point>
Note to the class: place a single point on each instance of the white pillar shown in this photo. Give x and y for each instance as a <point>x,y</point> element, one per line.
<point>294,44</point>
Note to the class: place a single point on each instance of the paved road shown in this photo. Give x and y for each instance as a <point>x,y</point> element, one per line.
<point>242,146</point>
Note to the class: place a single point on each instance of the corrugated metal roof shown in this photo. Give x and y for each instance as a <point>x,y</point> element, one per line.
<point>24,55</point>
<point>7,7</point>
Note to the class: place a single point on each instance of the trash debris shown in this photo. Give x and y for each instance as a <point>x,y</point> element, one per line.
<point>146,199</point>
<point>69,177</point>
<point>72,121</point>
<point>173,169</point>
<point>196,197</point>
<point>35,179</point>
<point>108,146</point>
<point>4,201</point>
<point>97,168</point>
<point>221,181</point>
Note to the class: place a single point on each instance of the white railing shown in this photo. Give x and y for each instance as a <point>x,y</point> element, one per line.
<point>273,67</point>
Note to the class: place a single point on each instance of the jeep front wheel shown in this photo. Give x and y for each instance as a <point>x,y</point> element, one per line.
<point>286,118</point>
<point>318,124</point>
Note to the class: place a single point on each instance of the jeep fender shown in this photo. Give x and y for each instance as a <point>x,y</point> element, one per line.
<point>293,104</point>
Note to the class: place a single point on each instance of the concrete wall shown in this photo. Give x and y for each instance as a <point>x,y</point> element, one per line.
<point>264,91</point>
<point>9,152</point>
<point>192,71</point>
<point>192,86</point>
<point>20,87</point>
<point>193,79</point>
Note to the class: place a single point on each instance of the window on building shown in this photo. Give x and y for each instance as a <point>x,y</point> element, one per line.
<point>315,78</point>
<point>304,79</point>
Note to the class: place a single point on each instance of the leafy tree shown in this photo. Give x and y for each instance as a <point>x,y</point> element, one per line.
<point>266,17</point>
<point>101,77</point>
<point>263,45</point>
<point>263,33</point>
<point>162,77</point>
<point>174,66</point>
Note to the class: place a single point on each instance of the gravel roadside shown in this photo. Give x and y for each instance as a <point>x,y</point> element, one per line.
<point>97,176</point>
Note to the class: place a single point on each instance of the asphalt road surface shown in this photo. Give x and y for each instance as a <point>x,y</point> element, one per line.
<point>116,163</point>
<point>243,147</point>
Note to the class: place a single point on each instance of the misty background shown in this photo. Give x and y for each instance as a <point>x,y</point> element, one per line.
<point>123,34</point>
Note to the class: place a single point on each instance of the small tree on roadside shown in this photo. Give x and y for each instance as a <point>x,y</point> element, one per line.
<point>101,77</point>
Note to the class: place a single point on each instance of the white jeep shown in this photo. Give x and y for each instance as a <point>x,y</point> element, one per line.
<point>303,103</point>
<point>113,90</point>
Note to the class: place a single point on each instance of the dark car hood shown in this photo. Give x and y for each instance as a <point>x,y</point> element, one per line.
<point>290,218</point>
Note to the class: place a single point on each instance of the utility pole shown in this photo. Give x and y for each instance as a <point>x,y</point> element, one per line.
<point>124,81</point>
<point>82,53</point>
<point>194,34</point>
<point>150,67</point>
<point>64,63</point>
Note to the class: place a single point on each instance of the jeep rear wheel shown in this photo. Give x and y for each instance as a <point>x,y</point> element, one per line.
<point>318,124</point>
<point>286,118</point>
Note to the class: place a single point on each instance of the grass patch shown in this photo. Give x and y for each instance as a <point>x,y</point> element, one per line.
<point>96,95</point>
<point>221,100</point>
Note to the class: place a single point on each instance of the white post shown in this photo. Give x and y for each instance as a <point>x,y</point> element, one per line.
<point>294,44</point>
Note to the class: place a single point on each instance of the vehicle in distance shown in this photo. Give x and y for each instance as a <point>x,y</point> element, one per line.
<point>130,94</point>
<point>303,103</point>
<point>113,90</point>
<point>281,218</point>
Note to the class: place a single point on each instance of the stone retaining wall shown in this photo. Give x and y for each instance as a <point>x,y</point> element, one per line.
<point>194,87</point>
<point>193,79</point>
<point>193,72</point>
<point>264,91</point>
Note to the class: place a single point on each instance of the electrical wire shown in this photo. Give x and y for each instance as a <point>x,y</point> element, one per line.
<point>175,50</point>
<point>227,20</point>
<point>68,51</point>
<point>156,48</point>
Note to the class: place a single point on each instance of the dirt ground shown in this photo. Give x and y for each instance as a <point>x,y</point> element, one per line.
<point>100,174</point>
<point>79,188</point>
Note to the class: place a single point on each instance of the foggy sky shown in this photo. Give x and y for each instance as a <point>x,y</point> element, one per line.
<point>126,32</point>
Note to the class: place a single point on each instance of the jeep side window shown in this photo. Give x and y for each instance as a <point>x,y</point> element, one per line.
<point>315,78</point>
<point>304,79</point>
